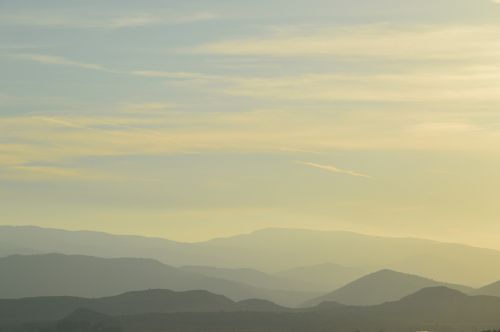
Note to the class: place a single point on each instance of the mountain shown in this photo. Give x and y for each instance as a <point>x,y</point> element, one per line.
<point>443,305</point>
<point>258,305</point>
<point>150,301</point>
<point>273,250</point>
<point>85,320</point>
<point>7,249</point>
<point>430,309</point>
<point>379,287</point>
<point>75,275</point>
<point>252,277</point>
<point>323,277</point>
<point>131,303</point>
<point>491,289</point>
<point>288,248</point>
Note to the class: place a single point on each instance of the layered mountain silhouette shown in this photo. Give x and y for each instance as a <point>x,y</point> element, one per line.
<point>274,250</point>
<point>75,275</point>
<point>379,287</point>
<point>248,276</point>
<point>430,309</point>
<point>318,278</point>
<point>131,303</point>
<point>325,276</point>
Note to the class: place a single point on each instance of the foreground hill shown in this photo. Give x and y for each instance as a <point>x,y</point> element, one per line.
<point>430,309</point>
<point>131,303</point>
<point>276,250</point>
<point>57,274</point>
<point>379,287</point>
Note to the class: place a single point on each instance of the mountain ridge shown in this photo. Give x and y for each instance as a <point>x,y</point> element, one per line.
<point>381,286</point>
<point>88,276</point>
<point>274,250</point>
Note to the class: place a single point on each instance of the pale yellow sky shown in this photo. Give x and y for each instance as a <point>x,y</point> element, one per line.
<point>195,121</point>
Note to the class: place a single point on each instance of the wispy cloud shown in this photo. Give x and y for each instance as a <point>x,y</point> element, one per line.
<point>464,83</point>
<point>473,84</point>
<point>99,20</point>
<point>63,140</point>
<point>58,60</point>
<point>334,169</point>
<point>372,41</point>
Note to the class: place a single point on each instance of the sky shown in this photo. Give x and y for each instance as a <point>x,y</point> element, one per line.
<point>195,119</point>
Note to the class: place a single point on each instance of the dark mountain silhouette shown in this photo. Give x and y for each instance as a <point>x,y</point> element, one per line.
<point>379,287</point>
<point>57,274</point>
<point>443,305</point>
<point>321,277</point>
<point>86,320</point>
<point>276,250</point>
<point>131,303</point>
<point>430,309</point>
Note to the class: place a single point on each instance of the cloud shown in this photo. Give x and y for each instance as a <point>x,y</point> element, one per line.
<point>474,84</point>
<point>62,140</point>
<point>56,60</point>
<point>176,75</point>
<point>334,169</point>
<point>147,108</point>
<point>60,61</point>
<point>372,41</point>
<point>41,173</point>
<point>99,20</point>
<point>452,84</point>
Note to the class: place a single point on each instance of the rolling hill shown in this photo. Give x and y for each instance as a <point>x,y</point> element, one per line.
<point>430,309</point>
<point>131,303</point>
<point>379,287</point>
<point>85,276</point>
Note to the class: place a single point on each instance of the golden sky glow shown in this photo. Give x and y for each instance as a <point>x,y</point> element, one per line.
<point>193,121</point>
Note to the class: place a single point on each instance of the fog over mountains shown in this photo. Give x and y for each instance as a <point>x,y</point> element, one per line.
<point>380,287</point>
<point>61,275</point>
<point>275,250</point>
<point>56,280</point>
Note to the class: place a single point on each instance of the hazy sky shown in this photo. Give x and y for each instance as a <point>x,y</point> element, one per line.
<point>193,119</point>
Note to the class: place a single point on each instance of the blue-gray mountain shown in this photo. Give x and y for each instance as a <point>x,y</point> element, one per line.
<point>380,287</point>
<point>75,275</point>
<point>274,250</point>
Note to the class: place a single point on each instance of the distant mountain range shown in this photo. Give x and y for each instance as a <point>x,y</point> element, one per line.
<point>430,309</point>
<point>316,278</point>
<point>247,276</point>
<point>275,250</point>
<point>76,275</point>
<point>380,287</point>
<point>326,276</point>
